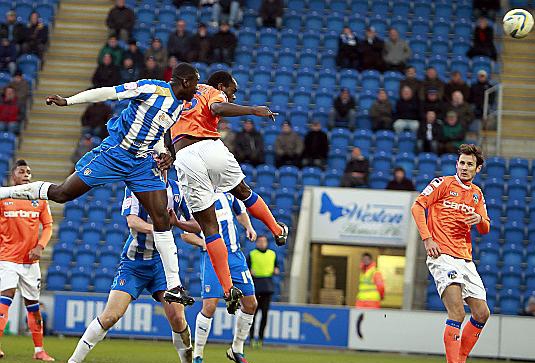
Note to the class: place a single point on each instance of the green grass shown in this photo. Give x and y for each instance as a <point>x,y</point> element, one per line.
<point>20,349</point>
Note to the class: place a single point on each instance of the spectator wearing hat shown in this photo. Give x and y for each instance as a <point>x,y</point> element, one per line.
<point>133,52</point>
<point>172,62</point>
<point>158,52</point>
<point>37,36</point>
<point>129,73</point>
<point>8,56</point>
<point>14,31</point>
<point>433,103</point>
<point>94,119</point>
<point>396,52</point>
<point>288,146</point>
<point>432,81</point>
<point>316,146</point>
<point>112,47</point>
<point>343,113</point>
<point>381,112</point>
<point>456,83</point>
<point>371,51</point>
<point>453,133</point>
<point>477,93</point>
<point>249,145</point>
<point>400,181</point>
<point>356,171</point>
<point>10,115</point>
<point>178,44</point>
<point>429,133</point>
<point>121,20</point>
<point>224,44</point>
<point>152,70</point>
<point>270,13</point>
<point>407,111</point>
<point>462,109</point>
<point>107,74</point>
<point>201,46</point>
<point>348,50</point>
<point>483,40</point>
<point>227,135</point>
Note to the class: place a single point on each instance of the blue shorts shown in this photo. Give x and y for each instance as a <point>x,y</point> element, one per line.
<point>109,163</point>
<point>133,276</point>
<point>239,271</point>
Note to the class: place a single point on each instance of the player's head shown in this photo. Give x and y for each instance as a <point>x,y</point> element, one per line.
<point>224,82</point>
<point>262,243</point>
<point>470,162</point>
<point>366,259</point>
<point>21,172</point>
<point>184,80</point>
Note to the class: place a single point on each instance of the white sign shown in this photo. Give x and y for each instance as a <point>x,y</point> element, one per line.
<point>361,216</point>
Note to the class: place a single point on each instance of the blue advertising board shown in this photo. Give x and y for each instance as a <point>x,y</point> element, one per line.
<point>287,324</point>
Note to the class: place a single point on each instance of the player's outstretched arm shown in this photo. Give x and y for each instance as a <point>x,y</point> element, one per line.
<point>227,109</point>
<point>93,95</point>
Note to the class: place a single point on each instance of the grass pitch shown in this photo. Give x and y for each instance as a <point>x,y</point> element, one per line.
<point>20,349</point>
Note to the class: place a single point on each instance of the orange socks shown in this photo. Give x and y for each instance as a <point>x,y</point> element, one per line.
<point>452,340</point>
<point>219,257</point>
<point>471,332</point>
<point>35,323</point>
<point>259,209</point>
<point>5,302</point>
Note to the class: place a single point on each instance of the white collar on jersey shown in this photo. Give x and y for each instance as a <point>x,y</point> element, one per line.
<point>467,187</point>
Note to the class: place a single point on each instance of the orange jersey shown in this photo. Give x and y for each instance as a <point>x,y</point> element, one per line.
<point>197,118</point>
<point>448,202</point>
<point>19,233</point>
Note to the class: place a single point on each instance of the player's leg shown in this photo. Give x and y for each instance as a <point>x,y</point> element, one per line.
<point>116,306</point>
<point>9,282</point>
<point>472,330</point>
<point>243,327</point>
<point>203,325</point>
<point>6,298</point>
<point>452,298</point>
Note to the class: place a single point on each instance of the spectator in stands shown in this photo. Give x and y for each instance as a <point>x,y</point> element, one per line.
<point>135,54</point>
<point>22,90</point>
<point>158,52</point>
<point>477,93</point>
<point>316,146</point>
<point>396,52</point>
<point>249,145</point>
<point>343,113</point>
<point>453,133</point>
<point>94,119</point>
<point>288,146</point>
<point>462,109</point>
<point>37,36</point>
<point>201,46</point>
<point>8,56</point>
<point>229,10</point>
<point>10,116</point>
<point>129,73</point>
<point>112,47</point>
<point>488,8</point>
<point>456,83</point>
<point>107,74</point>
<point>14,31</point>
<point>429,133</point>
<point>432,81</point>
<point>171,64</point>
<point>151,70</point>
<point>84,145</point>
<point>224,44</point>
<point>411,81</point>
<point>530,307</point>
<point>270,13</point>
<point>227,135</point>
<point>178,44</point>
<point>381,112</point>
<point>433,103</point>
<point>407,111</point>
<point>371,51</point>
<point>400,181</point>
<point>348,49</point>
<point>121,20</point>
<point>356,170</point>
<point>483,40</point>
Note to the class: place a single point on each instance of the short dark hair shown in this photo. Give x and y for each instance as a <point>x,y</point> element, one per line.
<point>220,77</point>
<point>367,254</point>
<point>399,168</point>
<point>184,71</point>
<point>16,164</point>
<point>471,149</point>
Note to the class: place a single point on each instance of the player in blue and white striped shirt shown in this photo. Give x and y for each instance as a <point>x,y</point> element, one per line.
<point>127,154</point>
<point>141,268</point>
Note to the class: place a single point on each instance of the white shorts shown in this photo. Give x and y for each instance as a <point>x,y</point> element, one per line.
<point>205,168</point>
<point>447,270</point>
<point>27,277</point>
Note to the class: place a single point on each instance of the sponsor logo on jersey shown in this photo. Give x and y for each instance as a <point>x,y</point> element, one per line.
<point>130,86</point>
<point>458,206</point>
<point>87,172</point>
<point>21,214</point>
<point>452,274</point>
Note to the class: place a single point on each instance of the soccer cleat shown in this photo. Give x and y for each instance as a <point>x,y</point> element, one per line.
<point>236,357</point>
<point>42,355</point>
<point>233,299</point>
<point>280,240</point>
<point>178,295</point>
<point>197,360</point>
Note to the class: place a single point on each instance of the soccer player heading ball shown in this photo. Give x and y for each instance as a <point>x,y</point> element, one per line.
<point>454,204</point>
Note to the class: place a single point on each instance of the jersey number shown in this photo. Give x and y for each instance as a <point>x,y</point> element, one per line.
<point>246,276</point>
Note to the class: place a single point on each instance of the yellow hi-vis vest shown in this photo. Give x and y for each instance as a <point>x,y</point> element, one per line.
<point>263,263</point>
<point>367,288</point>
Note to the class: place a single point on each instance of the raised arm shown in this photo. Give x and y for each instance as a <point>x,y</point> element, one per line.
<point>89,96</point>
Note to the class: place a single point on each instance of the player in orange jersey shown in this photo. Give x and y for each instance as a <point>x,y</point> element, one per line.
<point>454,204</point>
<point>205,167</point>
<point>20,250</point>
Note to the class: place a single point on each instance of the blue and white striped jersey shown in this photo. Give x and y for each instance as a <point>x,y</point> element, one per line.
<point>226,206</point>
<point>140,246</point>
<point>153,109</point>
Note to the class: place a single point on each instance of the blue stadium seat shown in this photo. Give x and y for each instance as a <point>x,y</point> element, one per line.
<point>62,254</point>
<point>308,58</point>
<point>494,234</point>
<point>340,138</point>
<point>335,22</point>
<point>324,98</point>
<point>494,210</point>
<point>317,5</point>
<point>46,12</point>
<point>511,276</point>
<point>366,100</point>
<point>302,97</point>
<point>103,279</point>
<point>420,26</point>
<point>349,78</point>
<point>514,232</point>
<point>258,95</point>
<point>517,189</point>
<point>288,177</point>
<point>463,29</point>
<point>280,96</point>
<point>338,5</point>
<point>448,163</point>
<point>287,58</point>
<point>289,39</point>
<point>518,168</point>
<point>313,21</point>
<point>74,211</point>
<point>479,63</point>
<point>489,257</point>
<point>434,302</point>
<point>330,40</point>
<point>359,7</point>
<point>337,159</point>
<point>516,210</point>
<point>80,279</point>
<point>268,37</point>
<point>427,164</point>
<point>513,254</point>
<point>332,178</point>
<point>56,278</point>
<point>265,175</point>
<point>379,180</point>
<point>440,63</point>
<point>91,233</point>
<point>530,278</point>
<point>284,198</point>
<point>250,173</point>
<point>97,211</point>
<point>270,135</point>
<point>494,188</point>
<point>109,257</point>
<point>283,77</point>
<point>405,160</point>
<point>463,11</point>
<point>382,161</point>
<point>311,176</point>
<point>422,9</point>
<point>23,10</point>
<point>114,234</point>
<point>460,46</point>
<point>440,44</point>
<point>310,40</point>
<point>167,15</point>
<point>363,139</point>
<point>380,24</point>
<point>265,57</point>
<point>460,63</point>
<point>406,142</point>
<point>244,55</point>
<point>384,140</point>
<point>379,7</point>
<point>68,231</point>
<point>247,37</point>
<point>371,80</point>
<point>116,216</point>
<point>261,76</point>
<point>328,59</point>
<point>495,167</point>
<point>488,274</point>
<point>142,35</point>
<point>85,255</point>
<point>29,64</point>
<point>293,20</point>
<point>509,301</point>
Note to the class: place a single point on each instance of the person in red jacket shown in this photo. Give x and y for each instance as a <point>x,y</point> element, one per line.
<point>9,111</point>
